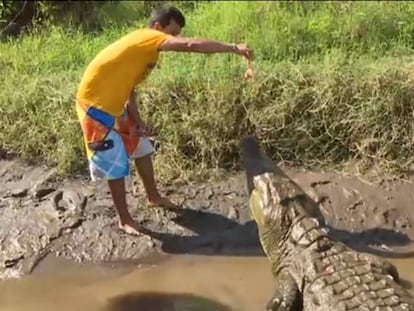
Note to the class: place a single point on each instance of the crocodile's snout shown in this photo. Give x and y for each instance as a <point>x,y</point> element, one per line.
<point>255,162</point>
<point>250,148</point>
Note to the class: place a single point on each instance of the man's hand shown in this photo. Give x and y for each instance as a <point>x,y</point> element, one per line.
<point>140,129</point>
<point>243,50</point>
<point>144,129</point>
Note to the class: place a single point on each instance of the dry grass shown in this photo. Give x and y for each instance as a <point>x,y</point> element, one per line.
<point>334,83</point>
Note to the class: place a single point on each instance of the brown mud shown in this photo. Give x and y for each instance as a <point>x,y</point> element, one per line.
<point>42,218</point>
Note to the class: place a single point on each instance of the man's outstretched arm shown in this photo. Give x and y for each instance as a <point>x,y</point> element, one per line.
<point>180,44</point>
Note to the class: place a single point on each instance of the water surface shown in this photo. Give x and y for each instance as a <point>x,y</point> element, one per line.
<point>179,282</point>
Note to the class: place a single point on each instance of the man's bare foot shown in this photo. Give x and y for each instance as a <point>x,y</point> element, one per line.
<point>130,227</point>
<point>162,202</point>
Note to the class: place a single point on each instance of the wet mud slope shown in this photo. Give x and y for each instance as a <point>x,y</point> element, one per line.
<point>40,217</point>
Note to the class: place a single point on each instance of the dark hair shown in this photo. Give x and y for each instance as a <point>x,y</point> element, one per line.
<point>165,14</point>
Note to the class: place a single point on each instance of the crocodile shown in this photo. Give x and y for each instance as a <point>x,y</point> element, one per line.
<point>311,269</point>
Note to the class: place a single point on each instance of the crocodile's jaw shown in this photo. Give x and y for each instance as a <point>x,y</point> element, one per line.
<point>255,207</point>
<point>267,214</point>
<point>264,200</point>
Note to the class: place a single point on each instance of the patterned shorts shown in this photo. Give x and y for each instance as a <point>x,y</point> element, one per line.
<point>109,145</point>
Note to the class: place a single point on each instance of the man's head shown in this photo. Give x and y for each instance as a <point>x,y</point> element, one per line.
<point>168,19</point>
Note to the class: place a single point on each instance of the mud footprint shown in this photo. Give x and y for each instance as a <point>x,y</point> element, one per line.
<point>70,206</point>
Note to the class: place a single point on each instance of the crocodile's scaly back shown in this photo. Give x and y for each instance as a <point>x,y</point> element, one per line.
<point>313,271</point>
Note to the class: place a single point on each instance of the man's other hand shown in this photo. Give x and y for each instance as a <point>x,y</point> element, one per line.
<point>140,129</point>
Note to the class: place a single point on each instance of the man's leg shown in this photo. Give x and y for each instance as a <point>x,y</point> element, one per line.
<point>143,163</point>
<point>126,222</point>
<point>112,164</point>
<point>106,162</point>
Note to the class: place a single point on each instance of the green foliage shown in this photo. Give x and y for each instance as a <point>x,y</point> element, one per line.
<point>8,9</point>
<point>85,15</point>
<point>333,84</point>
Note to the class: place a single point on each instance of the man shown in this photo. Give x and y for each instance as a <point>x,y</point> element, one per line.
<point>112,128</point>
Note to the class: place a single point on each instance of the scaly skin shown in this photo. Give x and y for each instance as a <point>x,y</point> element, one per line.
<point>313,272</point>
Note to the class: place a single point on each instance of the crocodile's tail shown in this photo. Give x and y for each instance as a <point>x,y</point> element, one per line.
<point>255,161</point>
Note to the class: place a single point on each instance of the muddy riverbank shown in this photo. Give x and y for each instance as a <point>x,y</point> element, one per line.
<point>175,283</point>
<point>41,217</point>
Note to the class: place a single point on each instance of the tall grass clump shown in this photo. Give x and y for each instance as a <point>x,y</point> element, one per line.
<point>333,84</point>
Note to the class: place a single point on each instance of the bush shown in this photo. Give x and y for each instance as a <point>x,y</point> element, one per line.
<point>333,84</point>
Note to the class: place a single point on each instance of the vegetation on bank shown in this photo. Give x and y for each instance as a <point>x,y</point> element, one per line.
<point>334,82</point>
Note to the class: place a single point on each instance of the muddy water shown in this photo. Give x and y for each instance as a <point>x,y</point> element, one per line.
<point>168,283</point>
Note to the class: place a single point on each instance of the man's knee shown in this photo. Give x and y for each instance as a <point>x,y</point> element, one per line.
<point>116,185</point>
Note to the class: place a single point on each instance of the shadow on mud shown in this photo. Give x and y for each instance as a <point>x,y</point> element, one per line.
<point>153,301</point>
<point>242,239</point>
<point>219,235</point>
<point>215,235</point>
<point>370,240</point>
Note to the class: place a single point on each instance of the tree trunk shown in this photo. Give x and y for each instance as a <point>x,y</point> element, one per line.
<point>23,19</point>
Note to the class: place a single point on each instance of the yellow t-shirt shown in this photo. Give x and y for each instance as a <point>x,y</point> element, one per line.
<point>114,72</point>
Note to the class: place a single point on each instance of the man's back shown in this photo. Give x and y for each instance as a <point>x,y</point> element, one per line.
<point>113,73</point>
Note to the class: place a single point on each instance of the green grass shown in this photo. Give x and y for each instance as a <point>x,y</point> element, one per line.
<point>334,83</point>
